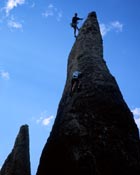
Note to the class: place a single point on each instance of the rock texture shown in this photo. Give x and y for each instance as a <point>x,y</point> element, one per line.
<point>94,132</point>
<point>18,161</point>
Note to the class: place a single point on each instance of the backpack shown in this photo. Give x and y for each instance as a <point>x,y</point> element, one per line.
<point>72,25</point>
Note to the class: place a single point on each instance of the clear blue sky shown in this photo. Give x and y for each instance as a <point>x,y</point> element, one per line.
<point>35,41</point>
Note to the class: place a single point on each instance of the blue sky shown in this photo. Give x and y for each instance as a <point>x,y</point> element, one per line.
<point>35,41</point>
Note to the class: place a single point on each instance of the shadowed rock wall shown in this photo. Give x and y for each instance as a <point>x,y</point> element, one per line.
<point>94,132</point>
<point>18,161</point>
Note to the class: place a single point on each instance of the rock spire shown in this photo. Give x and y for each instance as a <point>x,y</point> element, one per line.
<point>18,161</point>
<point>94,132</point>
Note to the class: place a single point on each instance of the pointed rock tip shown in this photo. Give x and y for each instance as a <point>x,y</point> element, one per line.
<point>25,126</point>
<point>92,14</point>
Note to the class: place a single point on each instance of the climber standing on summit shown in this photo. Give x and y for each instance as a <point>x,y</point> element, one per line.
<point>74,23</point>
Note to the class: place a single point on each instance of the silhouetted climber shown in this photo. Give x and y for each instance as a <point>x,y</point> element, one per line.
<point>75,82</point>
<point>74,23</point>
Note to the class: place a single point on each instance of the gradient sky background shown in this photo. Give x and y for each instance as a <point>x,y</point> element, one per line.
<point>35,41</point>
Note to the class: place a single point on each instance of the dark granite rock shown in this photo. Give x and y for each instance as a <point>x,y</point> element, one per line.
<point>18,161</point>
<point>94,132</point>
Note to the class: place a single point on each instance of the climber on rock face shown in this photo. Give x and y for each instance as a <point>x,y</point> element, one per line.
<point>75,82</point>
<point>74,23</point>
